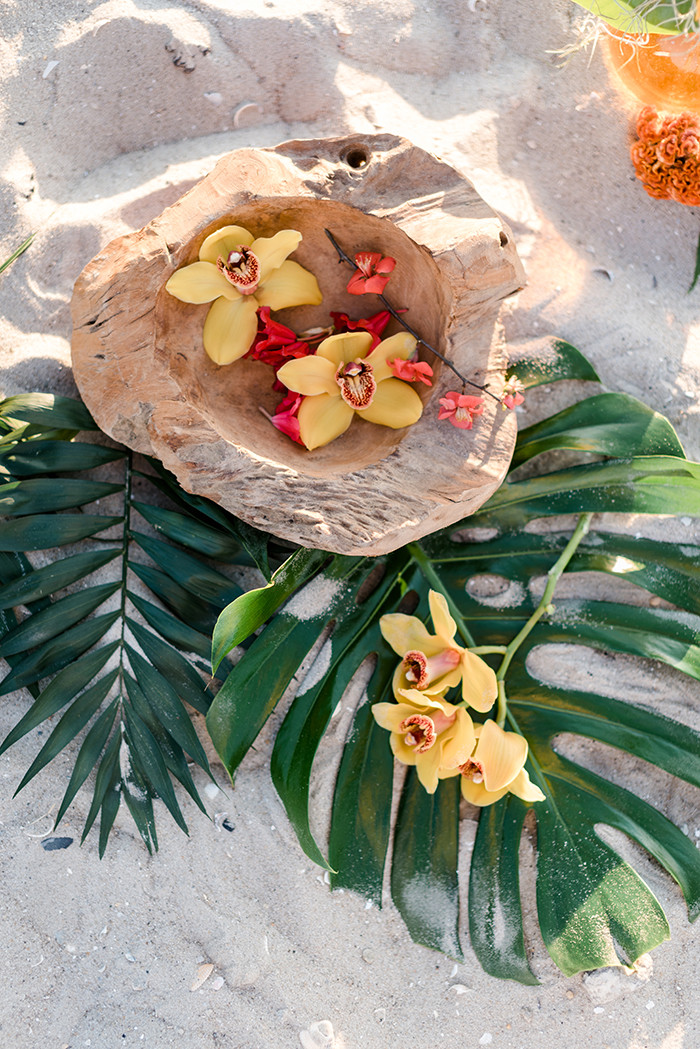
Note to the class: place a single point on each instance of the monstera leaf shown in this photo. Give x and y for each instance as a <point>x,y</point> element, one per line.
<point>594,909</point>
<point>114,662</point>
<point>645,16</point>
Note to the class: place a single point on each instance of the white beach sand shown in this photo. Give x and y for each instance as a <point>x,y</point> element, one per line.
<point>109,112</point>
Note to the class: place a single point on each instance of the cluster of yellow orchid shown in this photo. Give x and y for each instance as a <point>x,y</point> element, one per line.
<point>348,374</point>
<point>330,382</point>
<point>438,737</point>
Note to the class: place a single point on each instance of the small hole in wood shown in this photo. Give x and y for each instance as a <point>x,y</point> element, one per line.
<point>356,157</point>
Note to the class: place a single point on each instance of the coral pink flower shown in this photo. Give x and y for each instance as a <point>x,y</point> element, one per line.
<point>275,343</point>
<point>285,419</point>
<point>411,371</point>
<point>372,273</point>
<point>460,409</point>
<point>512,393</point>
<point>375,324</point>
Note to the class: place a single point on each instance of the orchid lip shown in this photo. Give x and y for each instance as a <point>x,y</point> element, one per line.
<point>472,770</point>
<point>241,268</point>
<point>357,384</point>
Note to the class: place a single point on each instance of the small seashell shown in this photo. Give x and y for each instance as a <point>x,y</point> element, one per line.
<point>246,109</point>
<point>460,988</point>
<point>203,974</point>
<point>217,983</point>
<point>318,1036</point>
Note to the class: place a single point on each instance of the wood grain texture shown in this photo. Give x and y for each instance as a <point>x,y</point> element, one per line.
<point>142,371</point>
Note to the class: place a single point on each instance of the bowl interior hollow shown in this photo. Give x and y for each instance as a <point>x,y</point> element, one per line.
<point>230,397</point>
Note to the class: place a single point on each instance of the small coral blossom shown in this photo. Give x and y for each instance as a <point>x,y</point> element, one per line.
<point>375,324</point>
<point>460,409</point>
<point>412,371</point>
<point>275,343</point>
<point>346,377</point>
<point>238,273</point>
<point>429,733</point>
<point>512,393</point>
<point>496,767</point>
<point>372,273</point>
<point>286,418</point>
<point>432,663</point>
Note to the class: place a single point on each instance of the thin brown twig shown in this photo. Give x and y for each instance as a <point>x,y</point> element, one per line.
<point>343,257</point>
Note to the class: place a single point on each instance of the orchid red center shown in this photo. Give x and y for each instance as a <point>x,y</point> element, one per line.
<point>472,770</point>
<point>421,671</point>
<point>357,384</point>
<point>241,268</point>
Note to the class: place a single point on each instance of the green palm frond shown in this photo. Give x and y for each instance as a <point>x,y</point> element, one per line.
<point>108,663</point>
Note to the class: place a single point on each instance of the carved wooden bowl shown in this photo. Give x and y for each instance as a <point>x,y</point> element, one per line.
<point>143,373</point>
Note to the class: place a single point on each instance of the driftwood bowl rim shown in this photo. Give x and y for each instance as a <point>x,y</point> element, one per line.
<point>143,373</point>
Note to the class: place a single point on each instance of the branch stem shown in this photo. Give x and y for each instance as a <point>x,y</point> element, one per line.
<point>426,567</point>
<point>553,576</point>
<point>343,257</point>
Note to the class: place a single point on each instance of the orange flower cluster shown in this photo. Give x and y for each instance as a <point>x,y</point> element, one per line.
<point>667,156</point>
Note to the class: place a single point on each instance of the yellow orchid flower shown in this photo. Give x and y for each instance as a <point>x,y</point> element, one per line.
<point>432,663</point>
<point>343,378</point>
<point>496,767</point>
<point>431,734</point>
<point>237,273</point>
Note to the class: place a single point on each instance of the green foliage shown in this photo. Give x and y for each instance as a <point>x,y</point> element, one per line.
<point>594,909</point>
<point>645,16</point>
<point>104,663</point>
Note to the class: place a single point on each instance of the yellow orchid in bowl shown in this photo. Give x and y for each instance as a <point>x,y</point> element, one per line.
<point>431,734</point>
<point>238,273</point>
<point>433,663</point>
<point>496,767</point>
<point>346,377</point>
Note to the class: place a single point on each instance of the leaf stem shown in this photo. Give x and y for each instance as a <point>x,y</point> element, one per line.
<point>426,567</point>
<point>553,577</point>
<point>128,478</point>
<point>342,257</point>
<point>502,708</point>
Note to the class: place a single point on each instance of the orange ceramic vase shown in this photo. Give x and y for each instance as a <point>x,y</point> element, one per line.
<point>661,71</point>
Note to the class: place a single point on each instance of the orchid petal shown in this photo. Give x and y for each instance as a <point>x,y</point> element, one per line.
<point>309,376</point>
<point>400,345</point>
<point>477,794</point>
<point>525,789</point>
<point>407,634</point>
<point>200,282</point>
<point>445,626</point>
<point>223,242</point>
<point>479,683</point>
<point>394,404</point>
<point>401,751</point>
<point>289,285</point>
<point>459,742</point>
<point>322,419</point>
<point>230,328</point>
<point>427,766</point>
<point>423,704</point>
<point>345,347</point>
<point>390,715</point>
<point>501,755</point>
<point>272,251</point>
